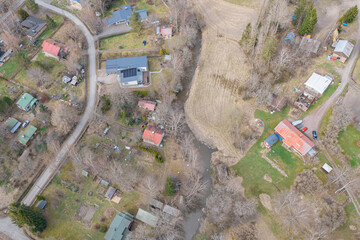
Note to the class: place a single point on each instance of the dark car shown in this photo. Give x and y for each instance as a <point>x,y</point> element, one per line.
<point>314,134</point>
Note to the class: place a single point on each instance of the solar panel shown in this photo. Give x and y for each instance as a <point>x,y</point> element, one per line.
<point>129,72</point>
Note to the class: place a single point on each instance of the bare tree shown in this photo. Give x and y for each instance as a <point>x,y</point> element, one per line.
<point>63,118</point>
<point>151,184</point>
<point>193,190</point>
<point>101,6</point>
<point>11,39</point>
<point>186,143</point>
<point>70,31</point>
<point>307,182</point>
<point>333,217</point>
<point>38,75</point>
<point>175,121</point>
<point>72,60</point>
<point>89,17</point>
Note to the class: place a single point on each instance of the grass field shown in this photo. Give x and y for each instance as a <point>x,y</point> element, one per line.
<point>348,140</point>
<point>126,41</point>
<point>48,31</point>
<point>63,204</point>
<point>9,68</point>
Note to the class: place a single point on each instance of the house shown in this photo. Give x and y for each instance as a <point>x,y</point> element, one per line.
<point>110,193</point>
<point>27,134</point>
<point>149,105</point>
<point>147,217</point>
<point>166,32</point>
<point>342,50</point>
<point>41,204</point>
<point>293,139</point>
<point>278,103</point>
<point>133,71</point>
<point>153,135</point>
<point>120,226</point>
<point>309,45</point>
<point>271,140</point>
<point>122,15</point>
<point>104,182</point>
<point>172,211</point>
<point>12,125</point>
<point>78,4</point>
<point>304,101</point>
<point>27,102</point>
<point>54,49</point>
<point>156,204</point>
<point>34,26</point>
<point>5,56</point>
<point>317,83</point>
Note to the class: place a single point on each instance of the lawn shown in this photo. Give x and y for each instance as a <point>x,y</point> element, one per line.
<point>63,204</point>
<point>9,68</point>
<point>158,8</point>
<point>252,167</point>
<point>348,141</point>
<point>48,31</point>
<point>125,41</point>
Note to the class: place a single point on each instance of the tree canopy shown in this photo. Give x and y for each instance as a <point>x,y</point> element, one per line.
<point>135,23</point>
<point>21,215</point>
<point>309,22</point>
<point>349,16</point>
<point>32,6</point>
<point>50,22</point>
<point>22,14</point>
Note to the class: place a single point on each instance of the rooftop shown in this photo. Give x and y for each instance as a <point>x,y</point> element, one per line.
<point>318,83</point>
<point>345,47</point>
<point>147,104</point>
<point>152,134</point>
<point>26,100</point>
<point>292,137</point>
<point>34,25</point>
<point>147,217</point>
<point>51,46</point>
<point>123,15</point>
<point>310,45</point>
<point>25,135</point>
<point>119,227</point>
<point>110,192</point>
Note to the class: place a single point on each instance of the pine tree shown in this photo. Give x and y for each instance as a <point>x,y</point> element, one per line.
<point>162,52</point>
<point>167,50</point>
<point>299,13</point>
<point>22,14</point>
<point>32,6</point>
<point>309,22</point>
<point>349,16</point>
<point>135,23</point>
<point>24,215</point>
<point>169,187</point>
<point>50,22</point>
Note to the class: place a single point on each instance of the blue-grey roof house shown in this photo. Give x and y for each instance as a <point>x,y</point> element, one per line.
<point>123,15</point>
<point>133,71</point>
<point>120,226</point>
<point>271,140</point>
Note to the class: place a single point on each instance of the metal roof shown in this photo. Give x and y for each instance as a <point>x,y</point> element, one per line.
<point>119,227</point>
<point>11,122</point>
<point>156,203</point>
<point>115,65</point>
<point>41,204</point>
<point>293,138</point>
<point>147,217</point>
<point>172,211</point>
<point>310,45</point>
<point>345,47</point>
<point>110,192</point>
<point>25,136</point>
<point>26,100</point>
<point>123,15</point>
<point>318,83</point>
<point>34,25</point>
<point>271,140</point>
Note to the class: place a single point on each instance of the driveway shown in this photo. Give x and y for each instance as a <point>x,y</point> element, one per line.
<point>113,30</point>
<point>11,230</point>
<point>313,120</point>
<point>50,171</point>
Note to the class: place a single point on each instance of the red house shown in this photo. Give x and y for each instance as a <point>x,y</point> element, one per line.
<point>54,49</point>
<point>293,138</point>
<point>153,135</point>
<point>147,104</point>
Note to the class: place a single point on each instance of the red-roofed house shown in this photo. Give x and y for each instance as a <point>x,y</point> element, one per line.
<point>147,104</point>
<point>54,49</point>
<point>153,135</point>
<point>293,138</point>
<point>166,32</point>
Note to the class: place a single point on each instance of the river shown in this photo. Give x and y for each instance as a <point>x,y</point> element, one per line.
<point>191,223</point>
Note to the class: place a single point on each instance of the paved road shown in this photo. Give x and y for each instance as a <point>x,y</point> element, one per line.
<point>14,7</point>
<point>47,175</point>
<point>11,230</point>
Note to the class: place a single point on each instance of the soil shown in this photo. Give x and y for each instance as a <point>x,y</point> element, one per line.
<point>264,231</point>
<point>265,201</point>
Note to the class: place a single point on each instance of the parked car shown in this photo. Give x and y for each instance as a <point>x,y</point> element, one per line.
<point>314,134</point>
<point>25,123</point>
<point>304,129</point>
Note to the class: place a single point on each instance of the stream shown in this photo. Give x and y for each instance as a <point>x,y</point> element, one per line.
<point>191,222</point>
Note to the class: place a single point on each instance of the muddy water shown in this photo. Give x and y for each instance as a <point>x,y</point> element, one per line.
<point>191,223</point>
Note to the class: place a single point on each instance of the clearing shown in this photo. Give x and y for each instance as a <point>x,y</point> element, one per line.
<point>349,141</point>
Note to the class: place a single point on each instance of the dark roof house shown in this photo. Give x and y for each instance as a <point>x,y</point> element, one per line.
<point>110,193</point>
<point>120,226</point>
<point>123,15</point>
<point>41,204</point>
<point>133,71</point>
<point>271,140</point>
<point>34,26</point>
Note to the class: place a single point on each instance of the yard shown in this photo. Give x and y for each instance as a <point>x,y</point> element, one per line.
<point>125,41</point>
<point>349,141</point>
<point>68,195</point>
<point>156,8</point>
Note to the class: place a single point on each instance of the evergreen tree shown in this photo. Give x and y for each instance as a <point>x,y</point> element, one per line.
<point>32,6</point>
<point>349,16</point>
<point>24,215</point>
<point>22,14</point>
<point>299,13</point>
<point>135,23</point>
<point>50,22</point>
<point>167,50</point>
<point>162,52</point>
<point>169,187</point>
<point>309,22</point>
<point>269,48</point>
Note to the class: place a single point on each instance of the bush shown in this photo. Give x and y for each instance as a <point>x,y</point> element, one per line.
<point>103,229</point>
<point>40,197</point>
<point>158,157</point>
<point>169,187</point>
<point>22,14</point>
<point>106,105</point>
<point>32,6</point>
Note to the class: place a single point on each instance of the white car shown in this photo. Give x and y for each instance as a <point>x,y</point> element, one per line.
<point>25,123</point>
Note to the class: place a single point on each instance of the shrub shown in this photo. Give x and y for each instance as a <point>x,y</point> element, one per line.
<point>40,197</point>
<point>349,16</point>
<point>103,229</point>
<point>22,14</point>
<point>158,157</point>
<point>169,187</point>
